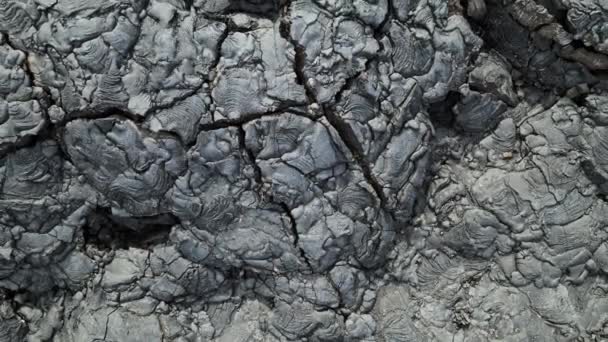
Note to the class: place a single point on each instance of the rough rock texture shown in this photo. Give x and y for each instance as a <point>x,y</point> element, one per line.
<point>303,170</point>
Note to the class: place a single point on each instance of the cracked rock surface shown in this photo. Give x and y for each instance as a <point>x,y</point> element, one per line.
<point>303,170</point>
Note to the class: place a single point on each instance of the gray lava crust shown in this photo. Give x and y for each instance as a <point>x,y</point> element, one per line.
<point>303,170</point>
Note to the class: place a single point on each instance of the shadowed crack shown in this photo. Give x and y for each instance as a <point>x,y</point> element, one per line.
<point>246,118</point>
<point>350,141</point>
<point>441,113</point>
<point>108,231</point>
<point>299,59</point>
<point>295,233</point>
<point>344,131</point>
<point>270,198</point>
<point>103,113</point>
<point>256,168</point>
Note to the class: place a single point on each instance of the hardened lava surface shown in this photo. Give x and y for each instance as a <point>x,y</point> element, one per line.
<point>303,170</point>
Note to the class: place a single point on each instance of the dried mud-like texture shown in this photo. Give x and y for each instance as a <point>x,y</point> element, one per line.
<point>303,170</point>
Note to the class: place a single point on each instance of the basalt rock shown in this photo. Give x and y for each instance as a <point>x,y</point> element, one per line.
<point>304,170</point>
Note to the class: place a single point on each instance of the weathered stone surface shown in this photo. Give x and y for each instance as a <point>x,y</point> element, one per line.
<point>303,170</point>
